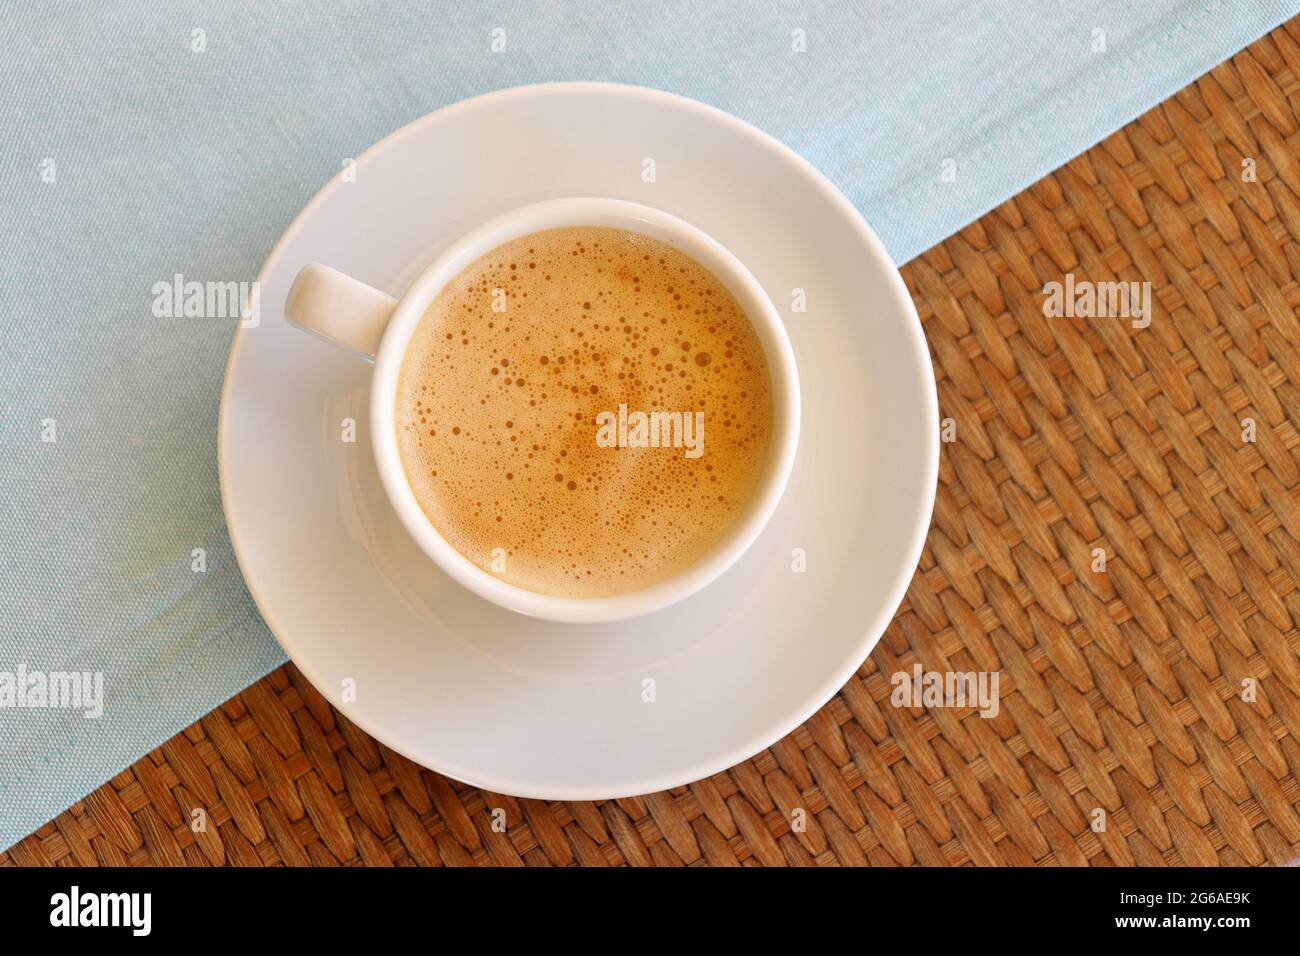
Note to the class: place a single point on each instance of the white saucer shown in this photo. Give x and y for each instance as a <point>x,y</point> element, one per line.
<point>537,709</point>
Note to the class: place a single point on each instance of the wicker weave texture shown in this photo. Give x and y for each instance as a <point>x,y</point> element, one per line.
<point>1150,712</point>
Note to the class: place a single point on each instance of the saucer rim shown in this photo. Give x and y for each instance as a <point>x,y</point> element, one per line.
<point>873,629</point>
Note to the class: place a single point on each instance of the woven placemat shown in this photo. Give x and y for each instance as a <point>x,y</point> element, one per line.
<point>1117,535</point>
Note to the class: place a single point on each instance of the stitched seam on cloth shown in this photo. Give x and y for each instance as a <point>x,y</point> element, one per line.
<point>148,682</point>
<point>894,199</point>
<point>225,635</point>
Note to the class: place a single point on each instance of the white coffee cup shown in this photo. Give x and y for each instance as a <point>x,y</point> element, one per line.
<point>378,328</point>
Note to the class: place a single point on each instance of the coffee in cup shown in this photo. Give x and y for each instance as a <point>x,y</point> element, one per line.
<point>584,411</point>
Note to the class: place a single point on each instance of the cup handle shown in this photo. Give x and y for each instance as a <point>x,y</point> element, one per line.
<point>340,309</point>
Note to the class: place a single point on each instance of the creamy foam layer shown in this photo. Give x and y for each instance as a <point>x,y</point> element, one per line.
<point>518,363</point>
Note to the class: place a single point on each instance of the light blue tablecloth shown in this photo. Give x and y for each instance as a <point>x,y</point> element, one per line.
<point>165,159</point>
